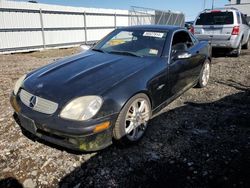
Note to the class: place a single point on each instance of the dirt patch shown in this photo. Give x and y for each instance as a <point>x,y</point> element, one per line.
<point>201,140</point>
<point>55,53</point>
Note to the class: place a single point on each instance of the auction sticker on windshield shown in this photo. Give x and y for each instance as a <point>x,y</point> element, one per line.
<point>153,34</point>
<point>153,51</point>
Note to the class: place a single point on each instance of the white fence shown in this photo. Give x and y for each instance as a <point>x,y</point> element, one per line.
<point>31,26</point>
<point>27,26</point>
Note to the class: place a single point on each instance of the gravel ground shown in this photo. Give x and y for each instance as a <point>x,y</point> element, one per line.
<point>201,140</point>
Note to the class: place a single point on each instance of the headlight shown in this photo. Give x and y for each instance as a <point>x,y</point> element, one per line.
<point>82,108</point>
<point>19,84</point>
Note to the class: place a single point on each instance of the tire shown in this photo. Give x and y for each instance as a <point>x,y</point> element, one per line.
<point>204,75</point>
<point>238,50</point>
<point>247,45</point>
<point>132,121</point>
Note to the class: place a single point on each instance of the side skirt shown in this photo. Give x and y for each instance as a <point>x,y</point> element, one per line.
<point>158,110</point>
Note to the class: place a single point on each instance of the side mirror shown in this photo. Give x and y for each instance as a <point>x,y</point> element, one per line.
<point>84,47</point>
<point>91,44</point>
<point>181,55</point>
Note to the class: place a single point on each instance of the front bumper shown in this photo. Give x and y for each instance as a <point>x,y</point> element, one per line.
<point>73,135</point>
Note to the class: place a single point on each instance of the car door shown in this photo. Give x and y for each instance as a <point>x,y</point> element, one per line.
<point>183,71</point>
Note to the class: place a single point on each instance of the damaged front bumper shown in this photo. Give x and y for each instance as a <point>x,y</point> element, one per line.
<point>79,136</point>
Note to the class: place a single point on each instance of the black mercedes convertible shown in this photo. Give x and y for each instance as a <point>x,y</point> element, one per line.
<point>111,91</point>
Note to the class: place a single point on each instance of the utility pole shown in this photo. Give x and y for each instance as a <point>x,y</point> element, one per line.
<point>212,4</point>
<point>204,5</point>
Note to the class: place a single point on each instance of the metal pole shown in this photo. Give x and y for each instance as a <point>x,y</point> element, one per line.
<point>170,14</point>
<point>138,21</point>
<point>85,27</point>
<point>115,20</point>
<point>158,22</point>
<point>212,4</point>
<point>204,6</point>
<point>177,16</point>
<point>183,21</point>
<point>42,27</point>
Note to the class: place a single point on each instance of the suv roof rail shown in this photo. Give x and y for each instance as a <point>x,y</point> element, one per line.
<point>232,8</point>
<point>225,8</point>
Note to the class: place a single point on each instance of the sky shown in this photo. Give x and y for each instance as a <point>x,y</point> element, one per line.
<point>189,7</point>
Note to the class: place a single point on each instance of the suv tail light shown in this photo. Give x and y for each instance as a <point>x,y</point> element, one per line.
<point>236,30</point>
<point>191,29</point>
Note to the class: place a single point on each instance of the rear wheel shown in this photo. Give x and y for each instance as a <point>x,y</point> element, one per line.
<point>247,45</point>
<point>204,74</point>
<point>133,119</point>
<point>238,50</point>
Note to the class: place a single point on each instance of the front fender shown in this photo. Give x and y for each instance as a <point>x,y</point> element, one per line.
<point>141,82</point>
<point>118,97</point>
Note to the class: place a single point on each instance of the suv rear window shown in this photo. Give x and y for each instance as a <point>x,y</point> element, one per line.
<point>215,18</point>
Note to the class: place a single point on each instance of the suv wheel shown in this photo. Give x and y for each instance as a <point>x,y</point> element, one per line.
<point>247,45</point>
<point>238,50</point>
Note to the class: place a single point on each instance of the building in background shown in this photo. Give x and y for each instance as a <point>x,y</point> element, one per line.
<point>241,5</point>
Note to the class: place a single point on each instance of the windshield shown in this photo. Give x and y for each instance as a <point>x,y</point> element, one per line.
<point>133,43</point>
<point>215,18</point>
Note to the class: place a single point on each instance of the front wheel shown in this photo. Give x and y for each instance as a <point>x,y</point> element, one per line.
<point>133,119</point>
<point>204,75</point>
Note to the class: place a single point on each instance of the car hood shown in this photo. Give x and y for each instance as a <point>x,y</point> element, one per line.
<point>89,73</point>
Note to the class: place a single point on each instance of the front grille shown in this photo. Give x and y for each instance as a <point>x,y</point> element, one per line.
<point>42,105</point>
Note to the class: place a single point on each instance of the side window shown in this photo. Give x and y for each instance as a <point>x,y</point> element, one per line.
<point>244,21</point>
<point>181,42</point>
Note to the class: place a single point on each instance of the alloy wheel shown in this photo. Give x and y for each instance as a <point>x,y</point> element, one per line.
<point>137,118</point>
<point>206,74</point>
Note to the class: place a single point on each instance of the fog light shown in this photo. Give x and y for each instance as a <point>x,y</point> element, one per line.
<point>14,104</point>
<point>101,127</point>
<point>73,141</point>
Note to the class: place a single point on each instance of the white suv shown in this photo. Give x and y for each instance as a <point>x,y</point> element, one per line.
<point>225,28</point>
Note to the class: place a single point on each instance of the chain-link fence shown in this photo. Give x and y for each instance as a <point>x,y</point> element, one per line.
<point>146,16</point>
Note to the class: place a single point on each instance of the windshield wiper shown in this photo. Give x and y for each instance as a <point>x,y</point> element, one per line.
<point>125,53</point>
<point>98,50</point>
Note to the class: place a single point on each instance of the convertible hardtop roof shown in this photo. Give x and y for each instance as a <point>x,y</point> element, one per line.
<point>154,27</point>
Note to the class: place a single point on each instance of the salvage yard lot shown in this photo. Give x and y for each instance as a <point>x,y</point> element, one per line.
<point>202,139</point>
